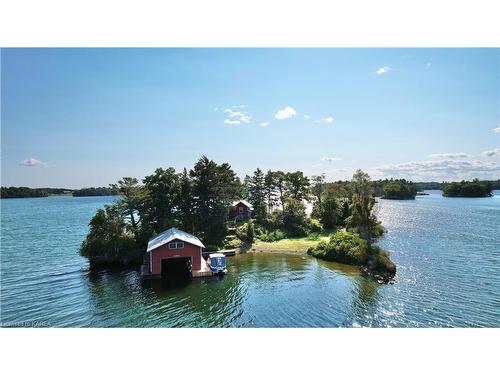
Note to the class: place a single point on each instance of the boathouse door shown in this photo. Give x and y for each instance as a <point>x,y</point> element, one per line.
<point>177,268</point>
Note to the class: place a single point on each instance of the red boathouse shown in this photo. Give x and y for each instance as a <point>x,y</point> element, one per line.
<point>173,249</point>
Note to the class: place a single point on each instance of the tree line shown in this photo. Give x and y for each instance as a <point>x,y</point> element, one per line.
<point>473,188</point>
<point>199,201</point>
<point>94,192</point>
<point>23,192</point>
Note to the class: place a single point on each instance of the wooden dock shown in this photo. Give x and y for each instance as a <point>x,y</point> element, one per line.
<point>205,271</point>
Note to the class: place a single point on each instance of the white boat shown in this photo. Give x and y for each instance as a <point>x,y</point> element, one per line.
<point>217,263</point>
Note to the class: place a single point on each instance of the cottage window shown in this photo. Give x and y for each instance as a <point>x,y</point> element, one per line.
<point>241,209</point>
<point>176,245</point>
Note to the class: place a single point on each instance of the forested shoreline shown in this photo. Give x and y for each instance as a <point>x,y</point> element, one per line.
<point>199,201</point>
<point>377,185</point>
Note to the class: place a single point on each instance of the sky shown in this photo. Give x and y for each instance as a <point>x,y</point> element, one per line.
<point>87,117</point>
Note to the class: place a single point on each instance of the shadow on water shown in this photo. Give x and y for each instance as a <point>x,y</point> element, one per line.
<point>365,300</point>
<point>166,285</point>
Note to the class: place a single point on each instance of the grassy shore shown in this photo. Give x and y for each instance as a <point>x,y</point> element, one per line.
<point>288,245</point>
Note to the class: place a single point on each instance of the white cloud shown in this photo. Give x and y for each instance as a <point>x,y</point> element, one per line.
<point>285,113</point>
<point>329,159</point>
<point>241,106</point>
<point>450,155</point>
<point>31,162</point>
<point>307,117</point>
<point>492,152</point>
<point>497,130</point>
<point>382,70</point>
<point>264,124</point>
<point>326,120</point>
<point>437,170</point>
<point>236,117</point>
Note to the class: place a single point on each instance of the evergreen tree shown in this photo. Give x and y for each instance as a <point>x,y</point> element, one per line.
<point>270,189</point>
<point>163,193</point>
<point>256,188</point>
<point>215,187</point>
<point>186,205</point>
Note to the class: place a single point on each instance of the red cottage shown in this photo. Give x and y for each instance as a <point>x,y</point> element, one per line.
<point>242,210</point>
<point>173,250</point>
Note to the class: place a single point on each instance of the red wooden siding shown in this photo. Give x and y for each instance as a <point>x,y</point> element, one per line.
<point>163,252</point>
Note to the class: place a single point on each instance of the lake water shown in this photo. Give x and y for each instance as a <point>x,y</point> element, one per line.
<point>447,251</point>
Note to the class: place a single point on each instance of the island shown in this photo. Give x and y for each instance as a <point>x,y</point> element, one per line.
<point>265,212</point>
<point>94,192</point>
<point>22,192</point>
<point>468,189</point>
<point>399,189</point>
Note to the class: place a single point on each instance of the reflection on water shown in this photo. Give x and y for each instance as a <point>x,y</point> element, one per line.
<point>447,252</point>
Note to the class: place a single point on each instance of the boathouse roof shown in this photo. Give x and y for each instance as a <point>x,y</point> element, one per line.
<point>244,202</point>
<point>173,234</point>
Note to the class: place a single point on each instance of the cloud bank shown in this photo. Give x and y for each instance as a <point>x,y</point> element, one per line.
<point>446,169</point>
<point>450,155</point>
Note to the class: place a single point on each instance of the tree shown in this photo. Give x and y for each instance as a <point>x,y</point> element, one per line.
<point>280,184</point>
<point>362,219</point>
<point>215,187</point>
<point>163,193</point>
<point>132,198</point>
<point>298,185</point>
<point>256,188</point>
<point>329,209</point>
<point>294,217</point>
<point>317,186</point>
<point>107,238</point>
<point>186,205</point>
<point>270,189</point>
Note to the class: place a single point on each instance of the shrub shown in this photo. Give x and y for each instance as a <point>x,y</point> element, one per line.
<point>242,231</point>
<point>232,242</point>
<point>272,236</point>
<point>350,248</point>
<point>381,261</point>
<point>250,232</point>
<point>314,225</point>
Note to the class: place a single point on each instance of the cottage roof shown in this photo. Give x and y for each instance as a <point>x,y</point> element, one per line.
<point>244,202</point>
<point>173,234</point>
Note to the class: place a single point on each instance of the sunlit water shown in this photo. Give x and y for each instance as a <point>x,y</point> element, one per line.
<point>447,251</point>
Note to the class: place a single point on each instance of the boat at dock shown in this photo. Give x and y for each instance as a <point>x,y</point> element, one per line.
<point>217,263</point>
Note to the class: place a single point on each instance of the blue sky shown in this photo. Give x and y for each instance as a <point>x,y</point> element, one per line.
<point>87,117</point>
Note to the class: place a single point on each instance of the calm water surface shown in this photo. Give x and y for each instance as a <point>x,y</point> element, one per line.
<point>447,251</point>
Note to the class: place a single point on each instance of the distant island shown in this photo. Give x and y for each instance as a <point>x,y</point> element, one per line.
<point>399,189</point>
<point>23,192</point>
<point>495,185</point>
<point>26,192</point>
<point>468,189</point>
<point>94,192</point>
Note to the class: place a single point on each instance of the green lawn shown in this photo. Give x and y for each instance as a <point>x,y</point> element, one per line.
<point>290,244</point>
